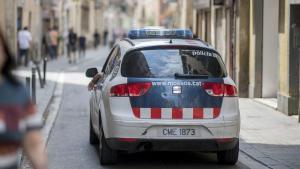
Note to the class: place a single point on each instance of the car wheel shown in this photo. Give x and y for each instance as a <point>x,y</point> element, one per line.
<point>106,154</point>
<point>93,137</point>
<point>229,157</point>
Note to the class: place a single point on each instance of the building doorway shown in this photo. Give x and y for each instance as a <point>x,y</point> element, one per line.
<point>19,18</point>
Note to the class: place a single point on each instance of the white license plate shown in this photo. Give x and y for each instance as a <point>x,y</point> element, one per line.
<point>175,131</point>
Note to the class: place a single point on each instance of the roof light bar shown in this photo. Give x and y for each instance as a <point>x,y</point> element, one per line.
<point>160,33</point>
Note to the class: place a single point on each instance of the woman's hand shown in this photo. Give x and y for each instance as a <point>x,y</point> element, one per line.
<point>94,81</point>
<point>35,149</point>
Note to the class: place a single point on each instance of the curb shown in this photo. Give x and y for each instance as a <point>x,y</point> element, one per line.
<point>245,158</point>
<point>49,117</point>
<point>53,107</point>
<point>265,104</point>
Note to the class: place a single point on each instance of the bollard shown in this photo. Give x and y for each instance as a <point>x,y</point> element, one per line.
<point>44,69</point>
<point>40,76</point>
<point>33,86</point>
<point>28,85</point>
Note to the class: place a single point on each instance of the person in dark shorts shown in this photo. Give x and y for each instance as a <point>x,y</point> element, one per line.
<point>96,39</point>
<point>105,37</point>
<point>72,39</point>
<point>24,43</point>
<point>82,46</point>
<point>19,122</point>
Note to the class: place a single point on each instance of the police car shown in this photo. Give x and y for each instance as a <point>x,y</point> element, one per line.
<point>162,90</point>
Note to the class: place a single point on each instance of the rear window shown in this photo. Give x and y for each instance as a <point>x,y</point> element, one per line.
<point>159,63</point>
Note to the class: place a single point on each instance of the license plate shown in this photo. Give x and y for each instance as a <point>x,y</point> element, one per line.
<point>174,131</point>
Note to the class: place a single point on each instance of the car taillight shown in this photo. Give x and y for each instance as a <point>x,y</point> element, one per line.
<point>130,89</point>
<point>219,89</point>
<point>230,91</point>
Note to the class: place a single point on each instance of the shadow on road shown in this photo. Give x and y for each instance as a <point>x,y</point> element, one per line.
<point>173,160</point>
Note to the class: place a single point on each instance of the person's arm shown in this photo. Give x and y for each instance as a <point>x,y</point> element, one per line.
<point>35,150</point>
<point>33,143</point>
<point>94,81</point>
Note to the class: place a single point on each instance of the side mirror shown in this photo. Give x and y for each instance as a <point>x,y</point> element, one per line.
<point>91,72</point>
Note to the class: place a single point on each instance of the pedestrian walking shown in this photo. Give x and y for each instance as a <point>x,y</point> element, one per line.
<point>24,41</point>
<point>72,39</point>
<point>19,121</point>
<point>66,43</point>
<point>82,46</point>
<point>47,43</point>
<point>53,34</point>
<point>105,36</point>
<point>96,39</point>
<point>44,46</point>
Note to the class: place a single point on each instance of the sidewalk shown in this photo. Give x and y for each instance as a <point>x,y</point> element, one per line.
<point>269,136</point>
<point>54,67</point>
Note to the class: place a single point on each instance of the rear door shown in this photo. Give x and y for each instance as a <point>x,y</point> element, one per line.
<point>173,83</point>
<point>106,70</point>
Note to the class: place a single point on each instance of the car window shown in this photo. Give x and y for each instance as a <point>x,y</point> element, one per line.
<point>167,62</point>
<point>112,60</point>
<point>107,60</point>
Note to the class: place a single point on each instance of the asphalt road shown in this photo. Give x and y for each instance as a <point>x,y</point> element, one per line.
<point>69,148</point>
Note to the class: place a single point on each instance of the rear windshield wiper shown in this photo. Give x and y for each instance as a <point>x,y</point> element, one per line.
<point>190,76</point>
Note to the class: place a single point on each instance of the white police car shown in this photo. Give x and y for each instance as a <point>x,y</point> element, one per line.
<point>162,90</point>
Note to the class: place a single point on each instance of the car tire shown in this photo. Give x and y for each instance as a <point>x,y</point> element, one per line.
<point>229,157</point>
<point>93,137</point>
<point>106,154</point>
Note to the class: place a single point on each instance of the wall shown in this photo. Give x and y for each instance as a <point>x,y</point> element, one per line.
<point>8,23</point>
<point>242,46</point>
<point>255,53</point>
<point>270,49</point>
<point>32,19</point>
<point>220,27</point>
<point>2,15</point>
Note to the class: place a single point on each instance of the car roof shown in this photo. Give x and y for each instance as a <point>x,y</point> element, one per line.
<point>131,44</point>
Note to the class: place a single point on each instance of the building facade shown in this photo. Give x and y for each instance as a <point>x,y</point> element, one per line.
<point>17,14</point>
<point>259,42</point>
<point>145,14</point>
<point>83,16</point>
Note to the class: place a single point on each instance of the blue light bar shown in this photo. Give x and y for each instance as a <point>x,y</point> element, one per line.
<point>160,33</point>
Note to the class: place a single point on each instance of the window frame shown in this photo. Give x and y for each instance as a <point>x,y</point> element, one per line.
<point>107,68</point>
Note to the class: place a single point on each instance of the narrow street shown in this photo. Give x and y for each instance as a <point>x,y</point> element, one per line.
<point>206,74</point>
<point>68,145</point>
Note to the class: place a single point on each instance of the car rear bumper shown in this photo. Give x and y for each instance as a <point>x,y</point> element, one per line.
<point>199,145</point>
<point>209,129</point>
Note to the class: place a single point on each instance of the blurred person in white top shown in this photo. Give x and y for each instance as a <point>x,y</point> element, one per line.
<point>24,41</point>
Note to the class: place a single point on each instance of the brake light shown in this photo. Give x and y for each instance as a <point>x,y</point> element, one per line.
<point>213,89</point>
<point>130,89</point>
<point>219,89</point>
<point>230,91</point>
